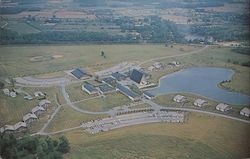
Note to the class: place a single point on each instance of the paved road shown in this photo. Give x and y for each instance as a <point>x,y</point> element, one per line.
<point>156,106</point>
<point>166,57</point>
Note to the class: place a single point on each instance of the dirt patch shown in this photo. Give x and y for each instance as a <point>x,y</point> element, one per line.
<point>57,56</point>
<point>40,58</point>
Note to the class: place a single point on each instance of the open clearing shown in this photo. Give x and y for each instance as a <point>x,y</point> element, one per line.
<point>77,56</point>
<point>104,103</point>
<point>201,137</point>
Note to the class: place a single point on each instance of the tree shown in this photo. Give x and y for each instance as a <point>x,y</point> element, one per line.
<point>102,53</point>
<point>63,145</point>
<point>1,85</point>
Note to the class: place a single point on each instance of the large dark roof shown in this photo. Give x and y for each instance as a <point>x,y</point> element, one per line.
<point>109,80</point>
<point>78,73</point>
<point>136,76</point>
<point>126,91</point>
<point>105,88</point>
<point>118,76</point>
<point>90,87</point>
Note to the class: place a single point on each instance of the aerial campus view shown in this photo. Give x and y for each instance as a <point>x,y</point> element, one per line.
<point>131,79</point>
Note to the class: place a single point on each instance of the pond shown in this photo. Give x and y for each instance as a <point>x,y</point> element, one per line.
<point>202,81</point>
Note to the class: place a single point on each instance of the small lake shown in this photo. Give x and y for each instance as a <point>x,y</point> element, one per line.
<point>202,81</point>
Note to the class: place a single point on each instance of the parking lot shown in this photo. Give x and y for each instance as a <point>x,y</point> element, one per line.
<point>120,121</point>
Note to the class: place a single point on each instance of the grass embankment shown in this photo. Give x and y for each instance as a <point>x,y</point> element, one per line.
<point>201,137</point>
<point>104,103</point>
<point>67,118</point>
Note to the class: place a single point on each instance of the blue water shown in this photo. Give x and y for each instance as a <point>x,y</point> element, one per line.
<point>201,81</point>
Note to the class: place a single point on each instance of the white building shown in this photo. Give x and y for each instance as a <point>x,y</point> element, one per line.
<point>29,118</point>
<point>179,98</point>
<point>9,129</point>
<point>39,94</point>
<point>20,126</point>
<point>44,103</point>
<point>223,107</point>
<point>1,129</point>
<point>245,111</point>
<point>37,110</point>
<point>28,97</point>
<point>6,91</point>
<point>200,102</point>
<point>13,94</point>
<point>90,89</point>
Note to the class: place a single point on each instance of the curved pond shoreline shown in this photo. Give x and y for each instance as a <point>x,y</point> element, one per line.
<point>202,81</point>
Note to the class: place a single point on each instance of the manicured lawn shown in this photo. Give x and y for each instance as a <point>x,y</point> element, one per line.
<point>67,118</point>
<point>104,103</point>
<point>201,137</point>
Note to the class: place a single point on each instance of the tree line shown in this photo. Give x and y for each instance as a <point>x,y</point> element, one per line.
<point>31,147</point>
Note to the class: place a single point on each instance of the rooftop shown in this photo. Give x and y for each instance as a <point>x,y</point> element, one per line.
<point>136,75</point>
<point>222,106</point>
<point>37,108</point>
<point>105,88</point>
<point>20,124</point>
<point>43,102</point>
<point>245,110</point>
<point>78,73</point>
<point>89,87</point>
<point>127,91</point>
<point>29,116</point>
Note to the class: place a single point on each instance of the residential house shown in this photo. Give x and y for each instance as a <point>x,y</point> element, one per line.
<point>179,98</point>
<point>223,107</point>
<point>245,112</point>
<point>29,118</point>
<point>37,110</point>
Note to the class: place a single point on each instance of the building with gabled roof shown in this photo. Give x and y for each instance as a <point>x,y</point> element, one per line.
<point>13,94</point>
<point>44,103</point>
<point>118,76</point>
<point>223,107</point>
<point>103,89</point>
<point>39,94</point>
<point>20,126</point>
<point>200,102</point>
<point>9,129</point>
<point>127,92</point>
<point>29,118</point>
<point>245,112</point>
<point>6,91</point>
<point>37,110</point>
<point>110,81</point>
<point>79,73</point>
<point>89,88</point>
<point>179,98</point>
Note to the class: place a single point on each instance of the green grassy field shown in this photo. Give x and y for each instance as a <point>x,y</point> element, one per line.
<point>67,118</point>
<point>75,56</point>
<point>201,137</point>
<point>104,103</point>
<point>13,109</point>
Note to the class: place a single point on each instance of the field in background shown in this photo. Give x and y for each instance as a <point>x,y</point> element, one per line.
<point>201,137</point>
<point>76,56</point>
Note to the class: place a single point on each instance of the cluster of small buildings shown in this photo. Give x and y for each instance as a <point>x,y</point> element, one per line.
<point>156,66</point>
<point>114,82</point>
<point>220,107</point>
<point>27,119</point>
<point>7,92</point>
